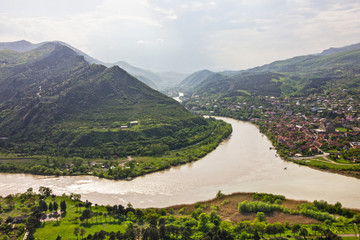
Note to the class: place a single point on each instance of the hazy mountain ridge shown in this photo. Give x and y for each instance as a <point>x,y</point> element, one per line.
<point>298,75</point>
<point>194,79</point>
<point>340,49</point>
<point>156,80</point>
<point>19,46</point>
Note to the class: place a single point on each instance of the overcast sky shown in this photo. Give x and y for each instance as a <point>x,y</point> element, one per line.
<point>185,35</point>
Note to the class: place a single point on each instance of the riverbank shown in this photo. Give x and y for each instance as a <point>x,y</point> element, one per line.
<point>241,163</point>
<point>269,216</point>
<point>116,168</point>
<point>317,162</point>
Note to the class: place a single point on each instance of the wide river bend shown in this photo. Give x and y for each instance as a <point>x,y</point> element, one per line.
<point>243,163</point>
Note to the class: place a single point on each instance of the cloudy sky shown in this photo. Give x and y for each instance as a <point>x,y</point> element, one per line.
<point>185,35</point>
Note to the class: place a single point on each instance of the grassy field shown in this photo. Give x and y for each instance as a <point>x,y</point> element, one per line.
<point>217,216</point>
<point>336,167</point>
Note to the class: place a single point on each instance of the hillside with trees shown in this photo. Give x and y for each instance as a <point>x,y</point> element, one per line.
<point>53,102</point>
<point>298,76</point>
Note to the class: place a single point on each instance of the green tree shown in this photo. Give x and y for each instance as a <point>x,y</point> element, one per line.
<point>43,206</point>
<point>203,225</point>
<point>260,216</point>
<point>45,191</point>
<point>295,229</point>
<point>87,214</point>
<point>82,232</point>
<point>63,206</point>
<point>76,232</point>
<point>304,233</point>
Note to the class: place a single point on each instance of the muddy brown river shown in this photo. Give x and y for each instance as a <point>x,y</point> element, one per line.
<point>243,163</point>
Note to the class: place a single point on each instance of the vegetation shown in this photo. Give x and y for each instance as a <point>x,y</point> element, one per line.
<point>157,157</point>
<point>36,216</point>
<point>81,119</point>
<point>299,76</point>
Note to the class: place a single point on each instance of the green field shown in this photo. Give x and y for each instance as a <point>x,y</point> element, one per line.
<point>235,216</point>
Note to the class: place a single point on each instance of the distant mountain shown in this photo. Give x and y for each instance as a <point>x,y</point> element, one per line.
<point>298,75</point>
<point>18,46</point>
<point>156,80</point>
<point>341,49</point>
<point>146,77</point>
<point>193,80</point>
<point>24,46</point>
<point>87,58</point>
<point>53,100</point>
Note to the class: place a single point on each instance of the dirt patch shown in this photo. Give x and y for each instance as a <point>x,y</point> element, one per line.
<point>227,209</point>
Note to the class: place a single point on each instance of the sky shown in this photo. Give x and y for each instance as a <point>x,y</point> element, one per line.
<point>185,35</point>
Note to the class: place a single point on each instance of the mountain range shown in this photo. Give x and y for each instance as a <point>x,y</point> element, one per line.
<point>296,76</point>
<point>53,99</point>
<point>157,80</point>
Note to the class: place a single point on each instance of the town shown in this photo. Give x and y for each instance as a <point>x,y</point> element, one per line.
<point>324,124</point>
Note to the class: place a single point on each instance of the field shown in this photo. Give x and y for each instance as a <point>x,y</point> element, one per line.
<point>269,216</point>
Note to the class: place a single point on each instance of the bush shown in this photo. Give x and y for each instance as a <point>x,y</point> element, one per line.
<point>254,207</point>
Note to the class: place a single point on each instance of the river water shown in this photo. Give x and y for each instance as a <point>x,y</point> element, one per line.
<point>243,163</point>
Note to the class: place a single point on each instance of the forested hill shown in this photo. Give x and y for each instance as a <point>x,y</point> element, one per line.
<point>302,75</point>
<point>52,100</point>
<point>194,79</point>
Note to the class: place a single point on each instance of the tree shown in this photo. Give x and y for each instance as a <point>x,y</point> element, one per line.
<point>203,225</point>
<point>45,191</point>
<point>55,206</point>
<point>219,194</point>
<point>86,214</point>
<point>279,228</point>
<point>260,216</point>
<point>76,232</point>
<point>51,207</point>
<point>63,206</point>
<point>316,229</point>
<point>88,204</point>
<point>9,200</point>
<point>304,232</point>
<point>43,206</point>
<point>186,232</point>
<point>214,218</point>
<point>82,232</point>
<point>295,229</point>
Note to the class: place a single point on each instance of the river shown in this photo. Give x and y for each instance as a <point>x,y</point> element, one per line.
<point>243,163</point>
<point>178,97</point>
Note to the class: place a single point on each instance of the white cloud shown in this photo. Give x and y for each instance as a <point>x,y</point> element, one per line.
<point>187,35</point>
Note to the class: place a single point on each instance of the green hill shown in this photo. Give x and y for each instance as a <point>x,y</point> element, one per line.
<point>52,101</point>
<point>334,68</point>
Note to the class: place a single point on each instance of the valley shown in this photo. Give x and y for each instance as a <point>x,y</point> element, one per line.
<point>78,126</point>
<point>307,106</point>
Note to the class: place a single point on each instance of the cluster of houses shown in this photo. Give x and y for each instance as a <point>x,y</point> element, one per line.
<point>313,125</point>
<point>305,126</point>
